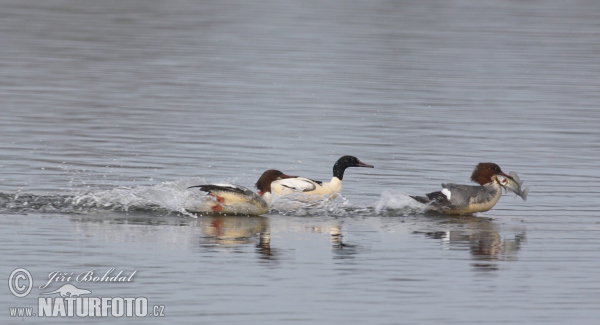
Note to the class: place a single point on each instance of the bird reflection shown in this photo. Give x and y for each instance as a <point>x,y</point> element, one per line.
<point>240,230</point>
<point>232,229</point>
<point>207,231</point>
<point>263,248</point>
<point>339,246</point>
<point>481,236</point>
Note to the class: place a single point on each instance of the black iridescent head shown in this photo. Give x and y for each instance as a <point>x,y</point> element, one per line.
<point>344,162</point>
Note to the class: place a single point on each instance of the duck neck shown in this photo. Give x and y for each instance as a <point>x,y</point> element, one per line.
<point>268,198</point>
<point>495,191</point>
<point>338,170</point>
<point>334,186</point>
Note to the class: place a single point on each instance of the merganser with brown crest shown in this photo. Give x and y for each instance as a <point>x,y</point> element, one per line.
<point>467,199</point>
<point>236,199</point>
<point>311,188</point>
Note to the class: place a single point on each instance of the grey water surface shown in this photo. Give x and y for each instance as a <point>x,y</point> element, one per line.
<point>111,109</point>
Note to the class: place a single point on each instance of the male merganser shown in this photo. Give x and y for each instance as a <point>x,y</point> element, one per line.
<point>308,187</point>
<point>236,199</point>
<point>467,199</point>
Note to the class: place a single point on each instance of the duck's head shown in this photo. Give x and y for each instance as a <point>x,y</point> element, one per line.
<point>347,161</point>
<point>487,172</point>
<point>264,181</point>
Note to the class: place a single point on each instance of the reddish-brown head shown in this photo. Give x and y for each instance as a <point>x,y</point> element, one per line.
<point>485,172</point>
<point>264,182</point>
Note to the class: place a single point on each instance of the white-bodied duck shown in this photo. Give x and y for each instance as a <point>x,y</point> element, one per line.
<point>308,188</point>
<point>236,199</point>
<point>467,199</point>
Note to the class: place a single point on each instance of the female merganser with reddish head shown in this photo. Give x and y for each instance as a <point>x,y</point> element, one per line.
<point>467,199</point>
<point>235,199</point>
<point>311,188</point>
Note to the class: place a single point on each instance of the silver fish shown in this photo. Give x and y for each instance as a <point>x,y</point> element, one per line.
<point>513,183</point>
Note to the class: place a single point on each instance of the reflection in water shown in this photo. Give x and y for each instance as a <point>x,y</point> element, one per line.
<point>263,248</point>
<point>206,230</point>
<point>233,229</point>
<point>482,238</point>
<point>214,233</point>
<point>341,249</point>
<point>339,246</point>
<point>228,230</point>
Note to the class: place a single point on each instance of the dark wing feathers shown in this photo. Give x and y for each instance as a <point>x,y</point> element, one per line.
<point>318,182</point>
<point>438,197</point>
<point>422,199</point>
<point>222,188</point>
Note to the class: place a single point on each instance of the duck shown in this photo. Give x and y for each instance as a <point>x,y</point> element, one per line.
<point>469,199</point>
<point>235,199</point>
<point>306,188</point>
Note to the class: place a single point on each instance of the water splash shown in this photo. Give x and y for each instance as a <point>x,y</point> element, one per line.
<point>163,198</point>
<point>340,206</point>
<point>167,196</point>
<point>394,202</point>
<point>26,203</point>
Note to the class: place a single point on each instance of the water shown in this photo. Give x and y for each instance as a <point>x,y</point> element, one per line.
<point>110,109</point>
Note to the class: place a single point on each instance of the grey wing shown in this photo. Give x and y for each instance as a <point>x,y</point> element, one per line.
<point>461,194</point>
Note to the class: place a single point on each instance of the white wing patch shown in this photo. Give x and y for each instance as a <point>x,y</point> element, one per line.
<point>447,193</point>
<point>224,185</point>
<point>298,184</point>
<point>232,187</point>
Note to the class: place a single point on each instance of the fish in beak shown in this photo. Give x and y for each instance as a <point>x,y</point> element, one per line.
<point>511,182</point>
